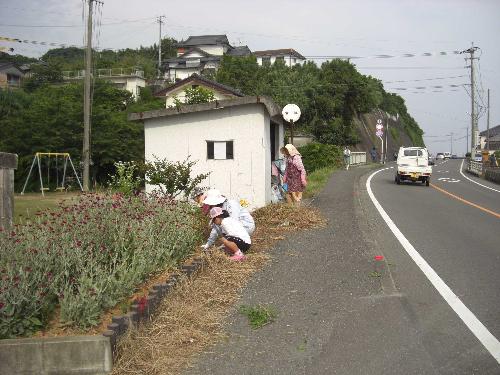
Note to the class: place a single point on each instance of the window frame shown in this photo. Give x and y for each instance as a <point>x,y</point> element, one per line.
<point>211,149</point>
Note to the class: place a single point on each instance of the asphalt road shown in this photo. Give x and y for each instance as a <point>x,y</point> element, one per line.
<point>342,312</point>
<point>457,231</point>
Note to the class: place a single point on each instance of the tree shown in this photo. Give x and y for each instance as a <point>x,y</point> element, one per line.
<point>196,95</point>
<point>51,119</point>
<point>43,73</point>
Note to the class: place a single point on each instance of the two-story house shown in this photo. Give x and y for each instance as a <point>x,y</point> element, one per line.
<point>288,55</point>
<point>200,54</point>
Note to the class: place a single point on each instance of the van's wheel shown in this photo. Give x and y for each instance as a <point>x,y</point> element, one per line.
<point>427,181</point>
<point>398,179</point>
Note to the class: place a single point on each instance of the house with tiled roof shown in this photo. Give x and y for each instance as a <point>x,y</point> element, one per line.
<point>200,54</point>
<point>288,55</point>
<point>178,90</point>
<point>10,75</point>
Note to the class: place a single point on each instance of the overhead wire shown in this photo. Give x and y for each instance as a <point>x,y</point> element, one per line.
<point>426,79</point>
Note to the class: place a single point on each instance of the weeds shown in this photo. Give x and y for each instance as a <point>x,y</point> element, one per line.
<point>258,316</point>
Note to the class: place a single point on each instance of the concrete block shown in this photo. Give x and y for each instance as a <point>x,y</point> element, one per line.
<point>121,322</point>
<point>8,161</point>
<point>58,355</point>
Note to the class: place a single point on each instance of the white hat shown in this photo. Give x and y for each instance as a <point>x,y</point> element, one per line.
<point>214,197</point>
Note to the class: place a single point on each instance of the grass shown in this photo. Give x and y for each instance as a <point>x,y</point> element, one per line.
<point>258,316</point>
<point>27,205</point>
<point>317,180</point>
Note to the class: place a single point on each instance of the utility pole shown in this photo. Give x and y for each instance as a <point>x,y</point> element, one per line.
<point>488,124</point>
<point>474,129</point>
<point>386,139</point>
<point>451,143</point>
<point>86,102</point>
<point>159,19</point>
<point>466,139</point>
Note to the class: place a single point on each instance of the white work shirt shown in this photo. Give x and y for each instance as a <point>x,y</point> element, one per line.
<point>237,212</point>
<point>234,228</point>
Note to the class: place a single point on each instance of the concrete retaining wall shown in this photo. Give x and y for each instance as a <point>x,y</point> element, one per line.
<point>58,355</point>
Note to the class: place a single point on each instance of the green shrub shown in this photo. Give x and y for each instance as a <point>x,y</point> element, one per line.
<point>88,256</point>
<point>319,155</point>
<point>125,180</point>
<point>173,178</point>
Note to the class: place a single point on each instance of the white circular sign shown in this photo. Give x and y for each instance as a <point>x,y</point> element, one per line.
<point>379,121</point>
<point>291,112</point>
<point>379,126</point>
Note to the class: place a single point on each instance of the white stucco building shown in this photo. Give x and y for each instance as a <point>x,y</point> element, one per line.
<point>123,78</point>
<point>235,140</point>
<point>288,55</point>
<point>178,90</point>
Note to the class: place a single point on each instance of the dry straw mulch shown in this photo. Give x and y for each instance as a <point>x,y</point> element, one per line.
<point>191,317</point>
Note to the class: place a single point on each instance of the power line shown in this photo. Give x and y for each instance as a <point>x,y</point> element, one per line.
<point>79,26</point>
<point>426,79</point>
<point>425,87</point>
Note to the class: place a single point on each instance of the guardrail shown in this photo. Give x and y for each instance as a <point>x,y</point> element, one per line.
<point>357,158</point>
<point>475,167</point>
<point>102,73</point>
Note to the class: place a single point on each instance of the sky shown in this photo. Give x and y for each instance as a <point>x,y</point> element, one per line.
<point>361,28</point>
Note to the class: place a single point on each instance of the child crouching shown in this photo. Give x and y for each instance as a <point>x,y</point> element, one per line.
<point>235,237</point>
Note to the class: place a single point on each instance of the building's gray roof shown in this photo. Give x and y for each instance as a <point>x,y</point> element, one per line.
<point>6,65</point>
<point>279,52</point>
<point>493,131</point>
<point>198,79</point>
<point>204,40</point>
<point>195,49</point>
<point>239,51</point>
<point>272,108</point>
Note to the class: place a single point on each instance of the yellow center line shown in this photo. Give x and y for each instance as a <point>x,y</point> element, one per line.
<point>466,201</point>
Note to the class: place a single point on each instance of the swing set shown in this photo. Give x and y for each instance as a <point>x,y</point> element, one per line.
<point>65,159</point>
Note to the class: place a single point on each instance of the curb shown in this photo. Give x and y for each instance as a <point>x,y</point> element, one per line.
<point>142,309</point>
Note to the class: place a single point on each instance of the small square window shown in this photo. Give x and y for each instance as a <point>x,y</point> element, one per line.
<point>217,150</point>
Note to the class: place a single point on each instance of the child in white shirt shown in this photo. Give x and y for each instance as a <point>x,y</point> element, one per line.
<point>235,238</point>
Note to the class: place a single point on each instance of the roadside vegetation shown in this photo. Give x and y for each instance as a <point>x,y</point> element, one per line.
<point>89,253</point>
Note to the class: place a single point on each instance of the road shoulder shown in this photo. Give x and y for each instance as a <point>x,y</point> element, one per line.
<point>335,314</point>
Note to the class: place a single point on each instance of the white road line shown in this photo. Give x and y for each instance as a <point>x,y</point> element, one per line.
<point>476,327</point>
<point>471,180</point>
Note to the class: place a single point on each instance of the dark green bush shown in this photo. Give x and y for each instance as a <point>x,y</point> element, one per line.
<point>319,155</point>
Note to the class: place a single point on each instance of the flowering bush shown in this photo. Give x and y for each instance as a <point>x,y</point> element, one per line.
<point>87,256</point>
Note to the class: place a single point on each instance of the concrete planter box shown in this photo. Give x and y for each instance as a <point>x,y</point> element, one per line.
<point>56,355</point>
<point>92,355</point>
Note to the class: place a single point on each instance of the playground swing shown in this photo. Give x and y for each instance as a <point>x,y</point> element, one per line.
<point>38,160</point>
